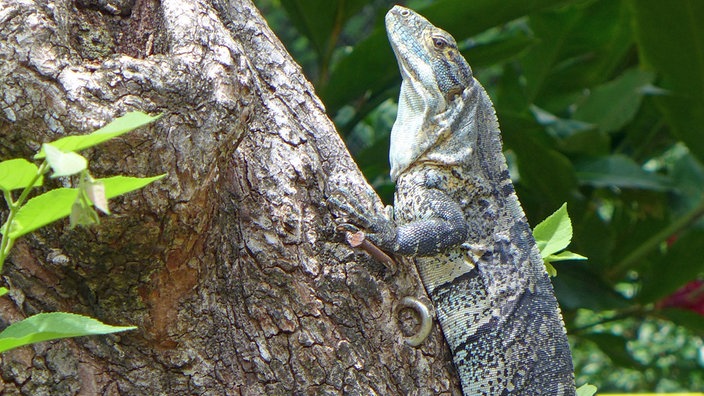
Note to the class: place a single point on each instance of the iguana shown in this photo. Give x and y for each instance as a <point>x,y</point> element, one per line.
<point>457,214</point>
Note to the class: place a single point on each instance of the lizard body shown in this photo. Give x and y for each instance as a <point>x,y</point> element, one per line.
<point>457,214</point>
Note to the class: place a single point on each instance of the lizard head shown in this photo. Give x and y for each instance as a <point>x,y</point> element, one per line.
<point>426,54</point>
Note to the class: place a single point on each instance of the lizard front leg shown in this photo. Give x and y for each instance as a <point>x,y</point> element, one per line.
<point>438,224</point>
<point>441,225</point>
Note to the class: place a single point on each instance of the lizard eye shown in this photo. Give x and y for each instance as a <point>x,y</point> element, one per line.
<point>439,43</point>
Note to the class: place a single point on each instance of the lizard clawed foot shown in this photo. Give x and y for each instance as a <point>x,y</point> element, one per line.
<point>426,320</point>
<point>352,213</point>
<point>378,229</point>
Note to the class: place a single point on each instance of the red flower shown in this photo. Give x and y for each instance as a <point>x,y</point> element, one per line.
<point>689,296</point>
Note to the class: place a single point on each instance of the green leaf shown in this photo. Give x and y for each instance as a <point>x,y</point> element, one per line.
<point>552,272</point>
<point>683,317</point>
<point>117,127</point>
<point>463,19</point>
<point>536,160</point>
<point>321,21</point>
<point>677,54</point>
<point>503,48</point>
<point>57,204</point>
<point>614,104</point>
<point>118,185</point>
<point>370,64</point>
<point>563,256</point>
<point>52,326</point>
<point>559,127</point>
<point>580,45</point>
<point>554,233</point>
<point>42,210</point>
<point>688,177</point>
<point>3,291</point>
<point>579,287</point>
<point>64,164</point>
<point>18,173</point>
<point>586,390</point>
<point>619,171</point>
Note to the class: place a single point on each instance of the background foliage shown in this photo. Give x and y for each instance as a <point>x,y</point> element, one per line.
<point>601,105</point>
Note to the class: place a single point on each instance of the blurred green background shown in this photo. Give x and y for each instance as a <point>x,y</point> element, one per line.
<point>601,105</point>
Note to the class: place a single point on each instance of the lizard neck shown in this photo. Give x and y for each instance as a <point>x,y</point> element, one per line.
<point>461,132</point>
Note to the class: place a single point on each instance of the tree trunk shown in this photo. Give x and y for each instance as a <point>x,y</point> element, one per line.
<point>231,266</point>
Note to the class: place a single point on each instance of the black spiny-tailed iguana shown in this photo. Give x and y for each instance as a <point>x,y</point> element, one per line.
<point>457,214</point>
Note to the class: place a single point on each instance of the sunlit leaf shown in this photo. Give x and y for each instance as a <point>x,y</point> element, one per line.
<point>42,210</point>
<point>57,204</point>
<point>117,127</point>
<point>64,164</point>
<point>118,185</point>
<point>563,256</point>
<point>18,173</point>
<point>552,272</point>
<point>52,326</point>
<point>554,233</point>
<point>586,390</point>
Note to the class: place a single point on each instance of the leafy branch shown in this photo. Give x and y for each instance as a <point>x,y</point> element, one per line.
<point>26,215</point>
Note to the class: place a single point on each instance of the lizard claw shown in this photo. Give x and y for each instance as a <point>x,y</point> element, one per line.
<point>348,227</point>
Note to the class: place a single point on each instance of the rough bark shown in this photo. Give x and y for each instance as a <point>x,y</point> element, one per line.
<point>231,265</point>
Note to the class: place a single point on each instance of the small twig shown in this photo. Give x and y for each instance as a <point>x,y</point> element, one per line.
<point>358,239</point>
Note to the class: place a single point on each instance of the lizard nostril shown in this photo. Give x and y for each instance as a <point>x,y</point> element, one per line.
<point>405,13</point>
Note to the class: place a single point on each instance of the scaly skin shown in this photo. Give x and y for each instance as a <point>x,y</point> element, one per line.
<point>457,214</point>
